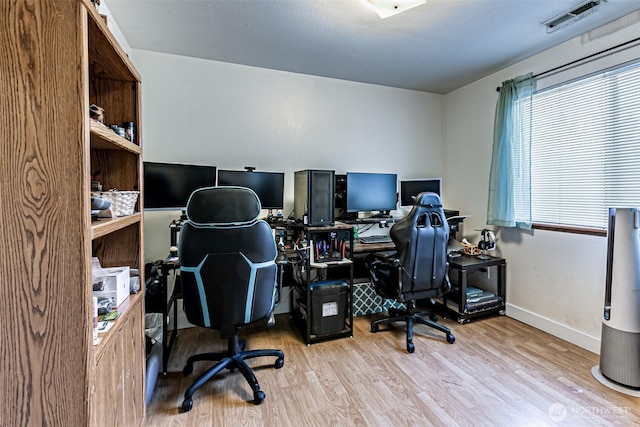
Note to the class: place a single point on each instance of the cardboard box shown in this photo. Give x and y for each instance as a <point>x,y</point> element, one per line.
<point>116,285</point>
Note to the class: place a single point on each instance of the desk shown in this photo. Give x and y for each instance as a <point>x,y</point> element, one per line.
<point>364,248</point>
<point>455,303</point>
<point>167,302</point>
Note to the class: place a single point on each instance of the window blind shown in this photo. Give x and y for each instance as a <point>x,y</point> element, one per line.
<point>585,148</point>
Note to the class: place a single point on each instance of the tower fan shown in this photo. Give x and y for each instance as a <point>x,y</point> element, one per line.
<point>619,367</point>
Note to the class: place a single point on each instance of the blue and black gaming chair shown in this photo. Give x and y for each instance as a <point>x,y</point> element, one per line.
<point>419,269</point>
<point>229,277</point>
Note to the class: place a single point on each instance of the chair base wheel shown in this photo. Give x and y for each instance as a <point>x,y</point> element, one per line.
<point>279,363</point>
<point>375,328</point>
<point>258,397</point>
<point>188,369</point>
<point>451,339</point>
<point>187,405</point>
<point>411,347</point>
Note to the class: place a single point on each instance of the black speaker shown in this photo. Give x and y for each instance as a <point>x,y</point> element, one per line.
<point>314,197</point>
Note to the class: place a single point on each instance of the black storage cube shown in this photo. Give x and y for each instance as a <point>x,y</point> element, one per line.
<point>328,305</point>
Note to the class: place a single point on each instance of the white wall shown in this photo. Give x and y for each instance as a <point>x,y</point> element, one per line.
<point>555,281</point>
<point>113,26</point>
<point>207,112</point>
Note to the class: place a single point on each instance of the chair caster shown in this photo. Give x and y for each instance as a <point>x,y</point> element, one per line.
<point>433,317</point>
<point>375,328</point>
<point>451,339</point>
<point>187,405</point>
<point>411,347</point>
<point>188,369</point>
<point>271,322</point>
<point>258,397</point>
<point>279,363</point>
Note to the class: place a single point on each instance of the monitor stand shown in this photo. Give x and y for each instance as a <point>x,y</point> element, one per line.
<point>382,214</point>
<point>347,216</point>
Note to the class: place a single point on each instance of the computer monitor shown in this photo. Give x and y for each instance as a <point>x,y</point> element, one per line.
<point>167,186</point>
<point>269,186</point>
<point>410,188</point>
<point>367,192</point>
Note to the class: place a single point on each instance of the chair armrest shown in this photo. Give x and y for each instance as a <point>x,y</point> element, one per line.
<point>384,272</point>
<point>281,260</point>
<point>390,260</point>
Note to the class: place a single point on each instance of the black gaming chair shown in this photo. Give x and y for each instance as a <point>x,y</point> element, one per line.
<point>419,269</point>
<point>229,275</point>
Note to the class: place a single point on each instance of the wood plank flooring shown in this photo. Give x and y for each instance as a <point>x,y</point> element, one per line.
<point>499,372</point>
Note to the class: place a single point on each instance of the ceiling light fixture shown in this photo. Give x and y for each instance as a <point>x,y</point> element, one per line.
<point>387,8</point>
<point>572,15</point>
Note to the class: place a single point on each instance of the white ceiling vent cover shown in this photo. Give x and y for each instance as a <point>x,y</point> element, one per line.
<point>572,15</point>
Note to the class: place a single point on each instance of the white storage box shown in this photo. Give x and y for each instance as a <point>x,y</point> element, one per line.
<point>116,285</point>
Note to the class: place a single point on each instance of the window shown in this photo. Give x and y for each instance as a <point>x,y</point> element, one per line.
<point>585,148</point>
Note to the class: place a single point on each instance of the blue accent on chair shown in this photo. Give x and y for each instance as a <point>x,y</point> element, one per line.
<point>203,297</point>
<point>252,283</point>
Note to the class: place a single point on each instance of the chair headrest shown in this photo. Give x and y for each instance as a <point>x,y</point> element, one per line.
<point>428,200</point>
<point>223,206</point>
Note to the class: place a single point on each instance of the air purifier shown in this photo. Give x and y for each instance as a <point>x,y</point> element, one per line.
<point>619,366</point>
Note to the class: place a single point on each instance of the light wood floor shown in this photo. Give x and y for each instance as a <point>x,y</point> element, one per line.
<point>499,372</point>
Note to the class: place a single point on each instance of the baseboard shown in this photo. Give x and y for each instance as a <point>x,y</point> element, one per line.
<point>554,328</point>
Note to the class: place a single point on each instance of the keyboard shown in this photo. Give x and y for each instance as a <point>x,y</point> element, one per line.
<point>375,239</point>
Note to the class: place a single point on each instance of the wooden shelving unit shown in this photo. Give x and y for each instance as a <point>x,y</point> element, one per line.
<point>57,58</point>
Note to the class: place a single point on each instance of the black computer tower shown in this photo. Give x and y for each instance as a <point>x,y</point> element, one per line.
<point>314,197</point>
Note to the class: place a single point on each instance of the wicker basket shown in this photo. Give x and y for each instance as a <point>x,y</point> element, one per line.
<point>122,202</point>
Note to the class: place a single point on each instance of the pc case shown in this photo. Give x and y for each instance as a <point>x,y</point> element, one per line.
<point>314,197</point>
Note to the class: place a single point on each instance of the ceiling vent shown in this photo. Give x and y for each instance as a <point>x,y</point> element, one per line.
<point>572,15</point>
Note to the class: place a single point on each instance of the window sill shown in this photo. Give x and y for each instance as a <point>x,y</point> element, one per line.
<point>569,229</point>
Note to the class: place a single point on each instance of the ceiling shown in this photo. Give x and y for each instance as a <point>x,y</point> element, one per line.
<point>436,47</point>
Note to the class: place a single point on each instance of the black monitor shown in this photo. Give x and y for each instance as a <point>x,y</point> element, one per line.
<point>167,186</point>
<point>269,186</point>
<point>410,188</point>
<point>367,192</point>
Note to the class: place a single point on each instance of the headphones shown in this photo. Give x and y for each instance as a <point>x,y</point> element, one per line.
<point>488,240</point>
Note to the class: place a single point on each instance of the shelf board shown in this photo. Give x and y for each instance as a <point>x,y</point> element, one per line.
<point>125,311</point>
<point>103,138</point>
<point>330,263</point>
<point>105,226</point>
